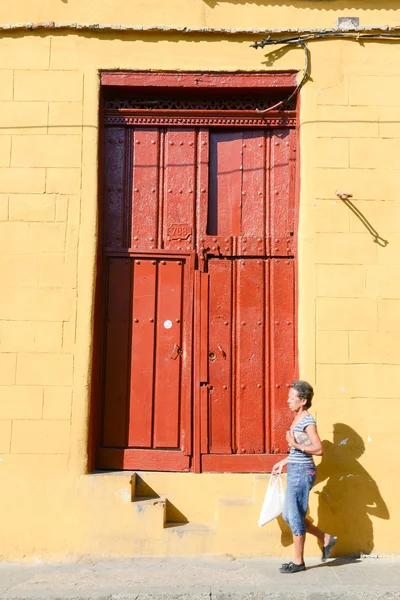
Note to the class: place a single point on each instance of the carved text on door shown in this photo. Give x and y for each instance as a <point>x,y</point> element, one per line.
<point>179,231</point>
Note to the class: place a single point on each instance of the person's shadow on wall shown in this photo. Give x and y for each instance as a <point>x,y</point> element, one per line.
<point>349,497</point>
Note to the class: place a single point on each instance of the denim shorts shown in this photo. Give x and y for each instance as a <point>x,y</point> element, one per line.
<point>300,480</point>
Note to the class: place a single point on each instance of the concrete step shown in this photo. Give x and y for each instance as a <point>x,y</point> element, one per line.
<point>139,514</point>
<point>185,491</point>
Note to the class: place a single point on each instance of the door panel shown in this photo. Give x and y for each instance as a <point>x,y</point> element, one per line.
<point>251,400</point>
<point>142,353</point>
<point>251,193</point>
<point>282,177</point>
<point>225,185</point>
<point>254,204</point>
<point>220,202</point>
<point>179,188</point>
<point>117,345</point>
<point>117,143</point>
<point>148,358</point>
<point>251,316</point>
<point>145,188</point>
<point>283,348</point>
<point>238,401</point>
<point>220,356</point>
<point>168,355</point>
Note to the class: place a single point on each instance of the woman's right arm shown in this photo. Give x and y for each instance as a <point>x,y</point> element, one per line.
<point>278,467</point>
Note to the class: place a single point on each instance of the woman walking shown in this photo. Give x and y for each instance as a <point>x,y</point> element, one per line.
<point>304,443</point>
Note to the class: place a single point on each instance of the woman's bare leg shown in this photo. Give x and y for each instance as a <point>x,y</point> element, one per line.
<point>299,541</point>
<point>321,535</point>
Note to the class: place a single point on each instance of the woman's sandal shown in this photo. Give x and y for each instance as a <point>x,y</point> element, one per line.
<point>326,550</point>
<point>291,567</point>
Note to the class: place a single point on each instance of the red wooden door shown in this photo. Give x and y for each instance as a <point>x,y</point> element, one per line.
<point>250,354</point>
<point>248,299</point>
<point>149,264</point>
<point>199,336</point>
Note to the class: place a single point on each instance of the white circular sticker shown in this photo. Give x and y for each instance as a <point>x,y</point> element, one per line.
<point>167,324</point>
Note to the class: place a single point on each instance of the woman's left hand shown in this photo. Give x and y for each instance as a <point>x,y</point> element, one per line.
<point>290,438</point>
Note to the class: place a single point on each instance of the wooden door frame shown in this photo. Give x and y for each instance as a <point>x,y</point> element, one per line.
<point>214,82</point>
<point>261,80</point>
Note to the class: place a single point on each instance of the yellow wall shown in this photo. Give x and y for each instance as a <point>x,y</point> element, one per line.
<point>349,286</point>
<point>203,13</point>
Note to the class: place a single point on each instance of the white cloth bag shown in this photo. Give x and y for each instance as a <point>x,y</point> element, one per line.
<point>273,502</point>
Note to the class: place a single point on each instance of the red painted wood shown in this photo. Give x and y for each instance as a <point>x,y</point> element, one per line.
<point>239,463</point>
<point>196,463</point>
<point>114,189</point>
<point>145,188</point>
<point>203,360</point>
<point>282,349</point>
<point>168,357</point>
<point>220,356</point>
<point>179,189</point>
<point>221,119</point>
<point>282,192</point>
<point>225,184</point>
<point>238,81</point>
<point>161,165</point>
<point>250,359</point>
<point>117,352</point>
<point>202,193</point>
<point>203,350</point>
<point>142,353</point>
<point>268,390</point>
<point>131,308</point>
<point>205,420</point>
<point>132,252</point>
<point>243,406</point>
<point>253,214</point>
<point>186,414</point>
<point>296,195</point>
<point>143,460</point>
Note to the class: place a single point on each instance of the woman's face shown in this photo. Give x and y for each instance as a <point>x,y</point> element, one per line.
<point>294,402</point>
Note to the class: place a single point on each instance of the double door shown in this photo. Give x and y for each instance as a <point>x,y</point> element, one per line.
<point>198,297</point>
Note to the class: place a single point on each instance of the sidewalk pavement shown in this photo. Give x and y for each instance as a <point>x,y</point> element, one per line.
<point>201,578</point>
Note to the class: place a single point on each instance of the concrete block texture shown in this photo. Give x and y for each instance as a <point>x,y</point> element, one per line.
<point>5,436</point>
<point>23,118</point>
<point>389,314</point>
<point>65,118</point>
<point>31,336</point>
<point>332,152</point>
<point>58,150</point>
<point>44,369</point>
<point>27,207</point>
<point>25,52</point>
<point>57,402</point>
<point>347,314</point>
<point>22,181</point>
<point>7,84</point>
<point>21,402</point>
<point>373,90</point>
<point>3,207</point>
<point>63,180</point>
<point>48,86</point>
<point>40,437</point>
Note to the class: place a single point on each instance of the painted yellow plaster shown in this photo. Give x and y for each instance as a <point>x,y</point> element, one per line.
<point>204,13</point>
<point>349,293</point>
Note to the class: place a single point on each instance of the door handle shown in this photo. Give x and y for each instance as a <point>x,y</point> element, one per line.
<point>176,351</point>
<point>222,351</point>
